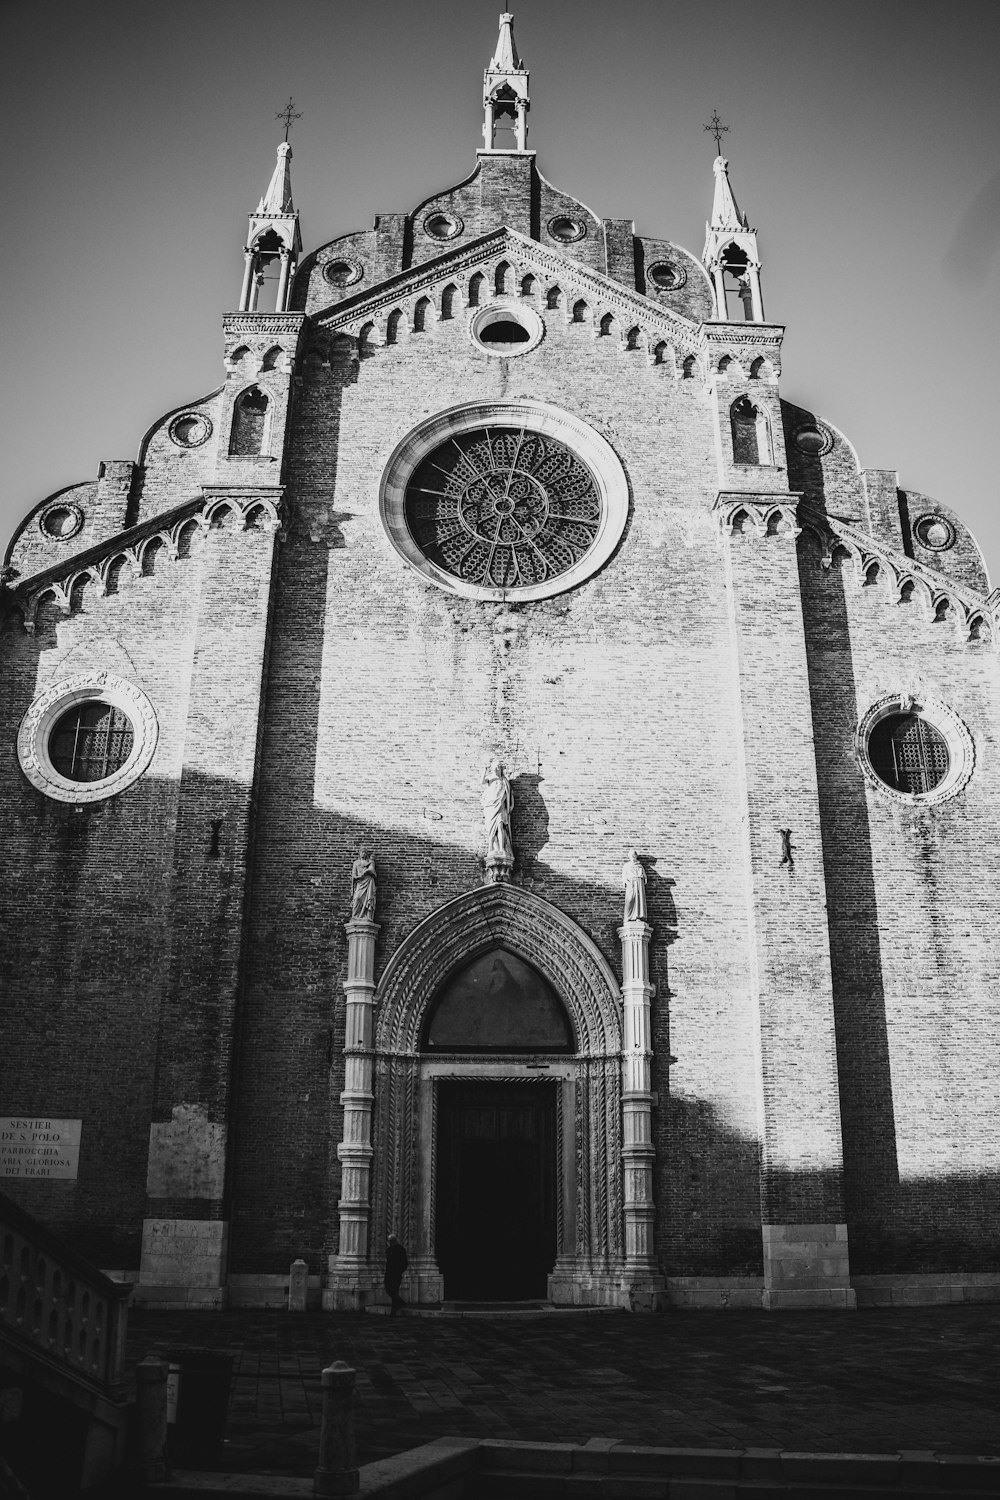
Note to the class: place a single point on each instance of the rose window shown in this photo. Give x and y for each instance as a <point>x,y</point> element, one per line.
<point>503,508</point>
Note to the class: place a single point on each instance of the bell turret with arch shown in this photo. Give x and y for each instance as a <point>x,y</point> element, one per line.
<point>731,257</point>
<point>505,94</point>
<point>273,240</point>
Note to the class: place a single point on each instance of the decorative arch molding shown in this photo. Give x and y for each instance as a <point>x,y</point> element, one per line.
<point>400,1086</point>
<point>509,917</point>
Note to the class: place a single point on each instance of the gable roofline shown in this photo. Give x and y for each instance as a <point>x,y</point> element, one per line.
<point>535,257</point>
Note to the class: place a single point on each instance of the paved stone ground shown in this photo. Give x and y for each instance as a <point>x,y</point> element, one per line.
<point>871,1381</point>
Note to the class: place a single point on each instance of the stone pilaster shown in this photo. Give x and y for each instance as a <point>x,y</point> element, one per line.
<point>642,1278</point>
<point>351,1269</point>
<point>803,1228</point>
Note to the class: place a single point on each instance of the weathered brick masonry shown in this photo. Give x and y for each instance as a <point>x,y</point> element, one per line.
<point>821,943</point>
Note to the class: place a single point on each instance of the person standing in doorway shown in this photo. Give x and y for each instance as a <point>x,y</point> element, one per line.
<point>395,1264</point>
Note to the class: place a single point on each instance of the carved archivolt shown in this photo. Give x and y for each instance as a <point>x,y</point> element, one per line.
<point>404,1165</point>
<point>530,927</point>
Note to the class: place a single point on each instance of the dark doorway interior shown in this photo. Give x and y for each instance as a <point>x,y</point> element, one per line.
<point>496,1189</point>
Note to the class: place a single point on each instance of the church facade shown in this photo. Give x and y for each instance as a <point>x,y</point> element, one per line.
<point>498,771</point>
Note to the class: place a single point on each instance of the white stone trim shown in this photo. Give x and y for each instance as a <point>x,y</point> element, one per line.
<point>48,708</point>
<point>961,750</point>
<point>594,450</point>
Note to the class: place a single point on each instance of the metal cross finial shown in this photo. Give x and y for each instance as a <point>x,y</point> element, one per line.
<point>288,114</point>
<point>717,129</point>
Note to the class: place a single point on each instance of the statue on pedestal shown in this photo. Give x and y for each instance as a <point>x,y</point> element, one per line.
<point>498,804</point>
<point>363,886</point>
<point>634,881</point>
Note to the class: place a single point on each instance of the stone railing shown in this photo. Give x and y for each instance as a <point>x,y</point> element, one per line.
<point>56,1305</point>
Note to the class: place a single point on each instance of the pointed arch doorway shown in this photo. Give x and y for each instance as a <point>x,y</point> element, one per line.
<point>497,1095</point>
<point>496,1222</point>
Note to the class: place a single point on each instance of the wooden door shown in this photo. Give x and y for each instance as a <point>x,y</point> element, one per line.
<point>496,1189</point>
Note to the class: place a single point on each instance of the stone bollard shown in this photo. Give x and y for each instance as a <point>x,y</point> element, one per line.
<point>298,1282</point>
<point>338,1472</point>
<point>151,1418</point>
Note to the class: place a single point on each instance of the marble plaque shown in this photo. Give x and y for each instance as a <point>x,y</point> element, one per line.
<point>38,1146</point>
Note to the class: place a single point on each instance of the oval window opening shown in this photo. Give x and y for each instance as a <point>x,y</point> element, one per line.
<point>566,229</point>
<point>504,331</point>
<point>664,276</point>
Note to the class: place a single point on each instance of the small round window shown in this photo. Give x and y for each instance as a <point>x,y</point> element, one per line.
<point>342,272</point>
<point>190,430</point>
<point>87,737</point>
<point>934,532</point>
<point>566,230</point>
<point>812,440</point>
<point>443,226</point>
<point>665,276</point>
<point>91,742</point>
<point>61,521</point>
<point>915,752</point>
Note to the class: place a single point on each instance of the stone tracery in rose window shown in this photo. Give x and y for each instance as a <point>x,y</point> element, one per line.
<point>503,508</point>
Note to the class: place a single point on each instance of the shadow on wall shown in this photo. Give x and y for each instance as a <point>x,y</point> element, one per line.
<point>866,1100</point>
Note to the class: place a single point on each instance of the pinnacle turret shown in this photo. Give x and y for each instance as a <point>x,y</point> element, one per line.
<point>505,58</point>
<point>505,94</point>
<point>725,214</point>
<point>730,255</point>
<point>273,238</point>
<point>278,198</point>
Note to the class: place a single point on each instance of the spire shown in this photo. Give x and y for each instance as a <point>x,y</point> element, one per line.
<point>725,214</point>
<point>730,255</point>
<point>278,198</point>
<point>273,239</point>
<point>505,94</point>
<point>505,58</point>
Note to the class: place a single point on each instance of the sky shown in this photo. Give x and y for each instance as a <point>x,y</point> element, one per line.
<point>862,145</point>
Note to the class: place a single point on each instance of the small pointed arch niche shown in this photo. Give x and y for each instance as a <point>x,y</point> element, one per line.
<point>751,433</point>
<point>497,1003</point>
<point>251,424</point>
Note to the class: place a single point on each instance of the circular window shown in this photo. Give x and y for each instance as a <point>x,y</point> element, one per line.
<point>443,226</point>
<point>343,272</point>
<point>506,330</point>
<point>87,737</point>
<point>934,532</point>
<point>566,230</point>
<point>91,742</point>
<point>60,522</point>
<point>665,276</point>
<point>917,752</point>
<point>190,430</point>
<point>504,502</point>
<point>812,440</point>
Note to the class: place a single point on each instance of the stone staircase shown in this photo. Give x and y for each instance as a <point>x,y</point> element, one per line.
<point>62,1351</point>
